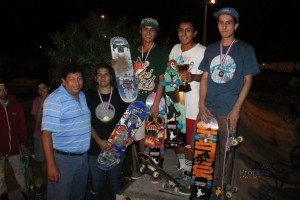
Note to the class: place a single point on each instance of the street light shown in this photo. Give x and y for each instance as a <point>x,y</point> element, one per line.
<point>205,19</point>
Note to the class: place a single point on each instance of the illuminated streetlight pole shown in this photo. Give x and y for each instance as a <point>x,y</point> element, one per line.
<point>205,20</point>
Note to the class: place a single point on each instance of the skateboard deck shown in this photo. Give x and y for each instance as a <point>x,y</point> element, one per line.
<point>155,131</point>
<point>150,167</point>
<point>123,67</point>
<point>31,187</point>
<point>204,154</point>
<point>175,108</point>
<point>128,125</point>
<point>228,185</point>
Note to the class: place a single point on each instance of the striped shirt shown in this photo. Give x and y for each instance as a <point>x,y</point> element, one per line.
<point>68,120</point>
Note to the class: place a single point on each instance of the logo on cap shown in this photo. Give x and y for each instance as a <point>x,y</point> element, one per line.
<point>149,22</point>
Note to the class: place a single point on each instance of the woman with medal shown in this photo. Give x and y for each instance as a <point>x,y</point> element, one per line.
<point>106,108</point>
<point>228,66</point>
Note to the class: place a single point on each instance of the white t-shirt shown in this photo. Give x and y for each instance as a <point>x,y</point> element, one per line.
<point>193,57</point>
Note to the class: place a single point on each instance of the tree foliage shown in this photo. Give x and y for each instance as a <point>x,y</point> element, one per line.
<point>88,43</point>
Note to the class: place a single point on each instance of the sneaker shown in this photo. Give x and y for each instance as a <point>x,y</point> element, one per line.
<point>186,191</point>
<point>23,195</point>
<point>178,174</point>
<point>136,175</point>
<point>155,180</point>
<point>4,196</point>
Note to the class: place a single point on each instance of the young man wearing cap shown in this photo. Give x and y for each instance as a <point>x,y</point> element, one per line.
<point>228,66</point>
<point>13,137</point>
<point>150,62</point>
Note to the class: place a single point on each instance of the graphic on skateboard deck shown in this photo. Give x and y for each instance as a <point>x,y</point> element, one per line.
<point>150,167</point>
<point>150,100</point>
<point>123,67</point>
<point>128,125</point>
<point>155,131</point>
<point>227,181</point>
<point>204,155</point>
<point>175,107</point>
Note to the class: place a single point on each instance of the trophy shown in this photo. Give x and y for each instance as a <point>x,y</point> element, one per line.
<point>183,69</point>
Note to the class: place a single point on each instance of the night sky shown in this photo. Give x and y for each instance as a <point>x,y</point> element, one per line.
<point>269,25</point>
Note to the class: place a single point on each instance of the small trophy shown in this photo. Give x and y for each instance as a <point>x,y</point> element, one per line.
<point>183,69</point>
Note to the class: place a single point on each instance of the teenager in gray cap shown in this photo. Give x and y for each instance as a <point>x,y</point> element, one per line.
<point>228,67</point>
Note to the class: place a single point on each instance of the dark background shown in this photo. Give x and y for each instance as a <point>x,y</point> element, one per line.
<point>269,25</point>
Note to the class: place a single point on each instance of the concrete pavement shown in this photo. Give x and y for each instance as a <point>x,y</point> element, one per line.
<point>144,189</point>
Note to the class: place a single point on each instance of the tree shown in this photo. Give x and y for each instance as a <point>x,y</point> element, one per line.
<point>88,43</point>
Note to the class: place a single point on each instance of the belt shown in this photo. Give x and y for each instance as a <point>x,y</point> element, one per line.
<point>67,154</point>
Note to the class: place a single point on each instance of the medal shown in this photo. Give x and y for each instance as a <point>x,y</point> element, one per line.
<point>105,109</point>
<point>221,74</point>
<point>105,118</point>
<point>146,62</point>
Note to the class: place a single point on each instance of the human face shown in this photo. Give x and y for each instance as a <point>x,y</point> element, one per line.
<point>3,93</point>
<point>226,26</point>
<point>73,83</point>
<point>186,33</point>
<point>103,77</point>
<point>148,34</point>
<point>43,89</point>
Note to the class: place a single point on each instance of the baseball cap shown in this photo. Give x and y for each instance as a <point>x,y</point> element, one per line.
<point>229,11</point>
<point>149,22</point>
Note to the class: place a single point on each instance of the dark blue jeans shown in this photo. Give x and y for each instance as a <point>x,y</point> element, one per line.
<point>73,178</point>
<point>99,178</point>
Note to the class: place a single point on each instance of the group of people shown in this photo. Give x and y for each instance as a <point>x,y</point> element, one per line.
<point>72,126</point>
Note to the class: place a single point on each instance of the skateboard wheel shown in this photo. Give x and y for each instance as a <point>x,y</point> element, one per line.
<point>163,83</point>
<point>176,189</point>
<point>142,169</point>
<point>192,181</point>
<point>214,139</point>
<point>177,82</point>
<point>234,189</point>
<point>209,183</point>
<point>240,139</point>
<point>197,137</point>
<point>163,112</point>
<point>155,174</point>
<point>229,195</point>
<point>179,125</point>
<point>234,142</point>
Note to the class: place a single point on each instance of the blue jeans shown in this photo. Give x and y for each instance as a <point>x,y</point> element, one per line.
<point>73,178</point>
<point>99,177</point>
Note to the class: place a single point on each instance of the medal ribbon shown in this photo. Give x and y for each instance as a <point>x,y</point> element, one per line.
<point>147,52</point>
<point>105,109</point>
<point>223,58</point>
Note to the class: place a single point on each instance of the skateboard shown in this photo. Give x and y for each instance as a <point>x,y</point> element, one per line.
<point>204,154</point>
<point>155,131</point>
<point>123,67</point>
<point>175,107</point>
<point>228,186</point>
<point>154,138</point>
<point>124,131</point>
<point>147,165</point>
<point>29,179</point>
